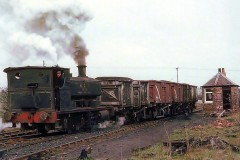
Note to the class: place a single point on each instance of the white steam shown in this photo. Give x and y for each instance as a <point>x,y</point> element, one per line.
<point>4,125</point>
<point>121,121</point>
<point>105,124</point>
<point>42,30</point>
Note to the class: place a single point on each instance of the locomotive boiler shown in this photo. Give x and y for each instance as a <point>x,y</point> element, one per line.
<point>39,99</point>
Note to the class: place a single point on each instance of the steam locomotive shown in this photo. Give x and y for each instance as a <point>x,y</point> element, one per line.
<point>36,100</point>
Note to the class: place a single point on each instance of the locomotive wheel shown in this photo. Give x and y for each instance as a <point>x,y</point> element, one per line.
<point>80,123</point>
<point>25,126</point>
<point>43,132</point>
<point>88,126</point>
<point>69,126</point>
<point>41,129</point>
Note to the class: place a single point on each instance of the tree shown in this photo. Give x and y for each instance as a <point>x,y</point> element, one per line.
<point>3,101</point>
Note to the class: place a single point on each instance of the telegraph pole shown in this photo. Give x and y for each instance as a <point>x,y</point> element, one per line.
<point>177,74</point>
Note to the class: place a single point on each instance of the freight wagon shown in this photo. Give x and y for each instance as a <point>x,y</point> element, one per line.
<point>138,100</point>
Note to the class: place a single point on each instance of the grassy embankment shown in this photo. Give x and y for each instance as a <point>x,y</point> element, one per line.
<point>219,140</point>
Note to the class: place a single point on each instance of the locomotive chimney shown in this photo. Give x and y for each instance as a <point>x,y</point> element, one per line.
<point>81,70</point>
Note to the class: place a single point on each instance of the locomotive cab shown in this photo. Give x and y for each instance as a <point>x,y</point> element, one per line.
<point>33,88</point>
<point>34,95</point>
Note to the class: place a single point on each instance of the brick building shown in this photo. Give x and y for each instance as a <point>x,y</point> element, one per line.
<point>220,93</point>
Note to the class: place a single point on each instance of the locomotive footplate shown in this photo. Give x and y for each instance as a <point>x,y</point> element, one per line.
<point>85,109</point>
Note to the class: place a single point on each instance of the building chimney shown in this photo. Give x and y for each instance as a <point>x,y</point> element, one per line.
<point>82,70</point>
<point>223,72</point>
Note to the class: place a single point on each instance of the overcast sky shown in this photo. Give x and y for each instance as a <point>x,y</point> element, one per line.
<point>142,39</point>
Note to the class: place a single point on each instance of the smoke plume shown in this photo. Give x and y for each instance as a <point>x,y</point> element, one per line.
<point>42,30</point>
<point>4,125</point>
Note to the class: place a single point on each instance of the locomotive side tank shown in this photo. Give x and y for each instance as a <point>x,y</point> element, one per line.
<point>84,90</point>
<point>37,99</point>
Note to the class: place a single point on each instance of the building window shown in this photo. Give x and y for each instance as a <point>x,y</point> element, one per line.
<point>208,96</point>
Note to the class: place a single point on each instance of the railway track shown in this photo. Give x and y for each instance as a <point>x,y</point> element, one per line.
<point>58,153</point>
<point>12,146</point>
<point>9,132</point>
<point>4,136</point>
<point>57,147</point>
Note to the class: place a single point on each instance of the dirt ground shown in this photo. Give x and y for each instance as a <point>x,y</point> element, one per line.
<point>121,148</point>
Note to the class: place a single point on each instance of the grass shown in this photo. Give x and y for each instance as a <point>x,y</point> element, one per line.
<point>156,152</point>
<point>230,134</point>
<point>159,152</point>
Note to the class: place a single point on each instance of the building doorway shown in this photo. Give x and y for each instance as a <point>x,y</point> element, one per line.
<point>226,98</point>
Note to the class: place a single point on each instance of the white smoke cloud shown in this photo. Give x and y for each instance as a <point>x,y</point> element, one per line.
<point>121,121</point>
<point>4,125</point>
<point>105,124</point>
<point>41,30</point>
<point>34,44</point>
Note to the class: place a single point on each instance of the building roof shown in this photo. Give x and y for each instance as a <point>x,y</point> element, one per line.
<point>219,80</point>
